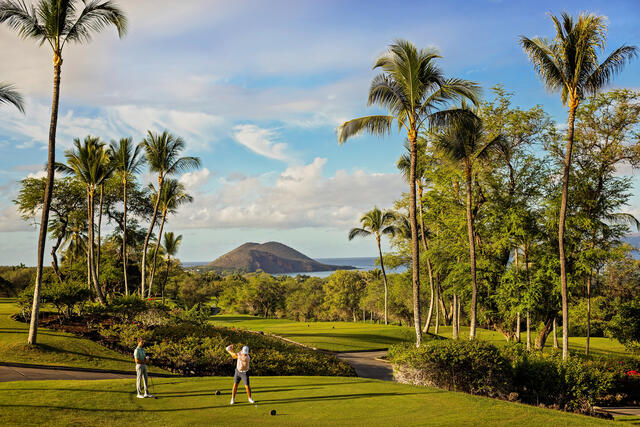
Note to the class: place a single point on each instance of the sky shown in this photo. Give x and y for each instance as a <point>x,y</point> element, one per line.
<point>257,90</point>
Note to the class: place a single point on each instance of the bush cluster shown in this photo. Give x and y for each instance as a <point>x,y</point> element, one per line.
<point>68,297</point>
<point>511,372</point>
<point>183,342</point>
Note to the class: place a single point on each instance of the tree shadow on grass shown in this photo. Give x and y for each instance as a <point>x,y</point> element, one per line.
<point>337,397</point>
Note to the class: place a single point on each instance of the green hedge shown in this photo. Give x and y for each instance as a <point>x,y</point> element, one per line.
<point>511,372</point>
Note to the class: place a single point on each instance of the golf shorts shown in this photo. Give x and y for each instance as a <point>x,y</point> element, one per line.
<point>244,376</point>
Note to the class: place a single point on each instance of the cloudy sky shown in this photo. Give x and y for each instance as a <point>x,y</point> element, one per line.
<point>257,89</point>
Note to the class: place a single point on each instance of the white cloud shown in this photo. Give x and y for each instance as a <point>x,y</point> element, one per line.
<point>193,180</point>
<point>300,197</point>
<point>261,141</point>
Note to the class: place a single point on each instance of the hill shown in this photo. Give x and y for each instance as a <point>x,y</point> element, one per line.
<point>270,257</point>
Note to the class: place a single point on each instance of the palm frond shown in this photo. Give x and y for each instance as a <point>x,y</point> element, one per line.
<point>545,62</point>
<point>96,16</point>
<point>358,232</point>
<point>9,95</point>
<point>22,19</point>
<point>611,66</point>
<point>625,218</point>
<point>375,125</point>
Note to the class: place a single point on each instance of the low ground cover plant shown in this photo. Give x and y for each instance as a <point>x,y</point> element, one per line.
<point>513,373</point>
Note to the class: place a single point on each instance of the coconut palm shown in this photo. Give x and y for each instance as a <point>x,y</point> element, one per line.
<point>127,160</point>
<point>173,195</point>
<point>569,64</point>
<point>89,162</point>
<point>377,223</point>
<point>412,88</point>
<point>404,164</point>
<point>171,245</point>
<point>55,23</point>
<point>9,95</point>
<point>464,141</point>
<point>162,153</point>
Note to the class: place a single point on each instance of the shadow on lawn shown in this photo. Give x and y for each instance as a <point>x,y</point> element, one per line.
<point>337,397</point>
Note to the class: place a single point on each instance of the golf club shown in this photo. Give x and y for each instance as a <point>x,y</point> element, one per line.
<point>151,383</point>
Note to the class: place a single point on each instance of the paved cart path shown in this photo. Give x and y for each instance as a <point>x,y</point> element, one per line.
<point>367,365</point>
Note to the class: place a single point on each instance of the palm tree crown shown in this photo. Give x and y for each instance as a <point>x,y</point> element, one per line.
<point>375,222</point>
<point>171,243</point>
<point>163,154</point>
<point>125,157</point>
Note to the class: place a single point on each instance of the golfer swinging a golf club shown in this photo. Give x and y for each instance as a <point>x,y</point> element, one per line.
<point>142,376</point>
<point>242,371</point>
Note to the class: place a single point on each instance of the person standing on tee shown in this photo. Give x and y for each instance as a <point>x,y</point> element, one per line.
<point>241,373</point>
<point>142,375</point>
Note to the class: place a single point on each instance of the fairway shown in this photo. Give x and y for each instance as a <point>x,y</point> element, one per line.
<point>54,348</point>
<point>358,336</point>
<point>297,401</point>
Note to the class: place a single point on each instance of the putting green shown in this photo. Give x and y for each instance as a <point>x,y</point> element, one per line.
<point>297,401</point>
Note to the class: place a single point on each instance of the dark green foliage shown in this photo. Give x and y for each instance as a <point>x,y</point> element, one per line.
<point>474,366</point>
<point>531,377</point>
<point>625,325</point>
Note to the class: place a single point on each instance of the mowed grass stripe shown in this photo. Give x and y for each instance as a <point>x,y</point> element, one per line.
<point>297,401</point>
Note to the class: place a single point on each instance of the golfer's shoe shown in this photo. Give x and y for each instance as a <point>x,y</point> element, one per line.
<point>251,400</point>
<point>232,402</point>
<point>148,395</point>
<point>140,396</point>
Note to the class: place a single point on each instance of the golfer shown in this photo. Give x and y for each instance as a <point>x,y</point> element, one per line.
<point>141,370</point>
<point>242,372</point>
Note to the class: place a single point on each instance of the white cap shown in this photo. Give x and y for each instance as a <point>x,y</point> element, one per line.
<point>245,350</point>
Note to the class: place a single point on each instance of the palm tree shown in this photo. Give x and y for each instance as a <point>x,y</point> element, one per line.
<point>171,245</point>
<point>569,63</point>
<point>56,22</point>
<point>127,161</point>
<point>463,142</point>
<point>89,162</point>
<point>411,88</point>
<point>8,95</point>
<point>377,223</point>
<point>163,156</point>
<point>404,164</point>
<point>174,194</point>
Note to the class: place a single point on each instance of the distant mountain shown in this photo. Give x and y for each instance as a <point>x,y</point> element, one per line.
<point>270,257</point>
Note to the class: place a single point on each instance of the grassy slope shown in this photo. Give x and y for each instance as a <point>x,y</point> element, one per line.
<point>297,400</point>
<point>348,336</point>
<point>54,348</point>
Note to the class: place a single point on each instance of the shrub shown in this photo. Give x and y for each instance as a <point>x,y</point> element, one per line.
<point>66,297</point>
<point>474,367</point>
<point>625,325</point>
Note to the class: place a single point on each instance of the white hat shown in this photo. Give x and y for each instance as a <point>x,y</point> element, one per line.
<point>245,350</point>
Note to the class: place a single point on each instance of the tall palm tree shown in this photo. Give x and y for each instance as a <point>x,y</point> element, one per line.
<point>173,195</point>
<point>127,160</point>
<point>404,164</point>
<point>569,64</point>
<point>463,141</point>
<point>377,223</point>
<point>412,88</point>
<point>9,95</point>
<point>162,153</point>
<point>89,162</point>
<point>56,22</point>
<point>171,245</point>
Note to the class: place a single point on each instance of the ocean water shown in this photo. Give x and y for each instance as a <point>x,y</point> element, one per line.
<point>361,263</point>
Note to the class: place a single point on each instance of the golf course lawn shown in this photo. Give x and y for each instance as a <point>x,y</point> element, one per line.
<point>297,401</point>
<point>54,348</point>
<point>354,336</point>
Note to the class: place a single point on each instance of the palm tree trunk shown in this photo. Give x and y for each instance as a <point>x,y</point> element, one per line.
<point>48,191</point>
<point>155,252</point>
<point>555,333</point>
<point>384,275</point>
<point>472,255</point>
<point>443,308</point>
<point>586,349</point>
<point>92,266</point>
<point>99,232</point>
<point>427,324</point>
<point>573,105</point>
<point>124,238</point>
<point>415,249</point>
<point>454,320</point>
<point>148,236</point>
<point>526,266</point>
<point>458,310</point>
<point>437,327</point>
<point>88,269</point>
<point>518,327</point>
<point>166,277</point>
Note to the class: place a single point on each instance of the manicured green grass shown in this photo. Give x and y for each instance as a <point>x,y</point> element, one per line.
<point>297,401</point>
<point>353,336</point>
<point>333,336</point>
<point>54,348</point>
